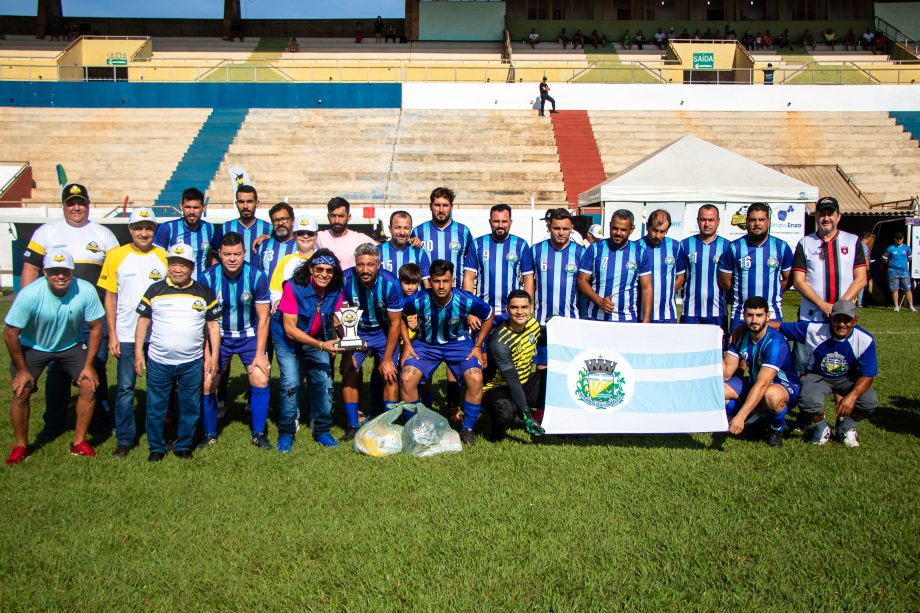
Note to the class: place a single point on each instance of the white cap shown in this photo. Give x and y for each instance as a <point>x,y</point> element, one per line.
<point>58,258</point>
<point>181,251</point>
<point>596,231</point>
<point>305,223</point>
<point>142,214</point>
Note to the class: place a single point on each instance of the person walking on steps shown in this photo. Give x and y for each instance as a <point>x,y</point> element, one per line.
<point>544,96</point>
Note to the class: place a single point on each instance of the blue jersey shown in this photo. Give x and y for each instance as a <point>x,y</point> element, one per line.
<point>555,278</point>
<point>439,325</point>
<point>667,261</point>
<point>499,266</point>
<point>238,298</point>
<point>451,244</point>
<point>200,240</point>
<point>259,227</point>
<point>757,271</point>
<point>270,252</point>
<point>392,259</point>
<point>384,297</point>
<point>615,275</point>
<point>702,296</point>
<point>772,350</point>
<point>849,358</point>
<point>897,260</point>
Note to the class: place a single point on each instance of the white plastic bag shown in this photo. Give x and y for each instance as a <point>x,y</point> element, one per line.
<point>427,434</point>
<point>380,437</point>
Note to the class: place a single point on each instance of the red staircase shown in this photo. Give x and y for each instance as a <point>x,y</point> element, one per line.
<point>579,158</point>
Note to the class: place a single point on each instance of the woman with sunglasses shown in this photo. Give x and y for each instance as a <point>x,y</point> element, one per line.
<point>308,305</point>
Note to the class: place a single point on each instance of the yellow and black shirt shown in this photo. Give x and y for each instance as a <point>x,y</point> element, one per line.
<point>511,354</point>
<point>88,245</point>
<point>178,316</point>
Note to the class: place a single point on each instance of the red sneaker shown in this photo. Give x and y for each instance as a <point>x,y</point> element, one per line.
<point>17,455</point>
<point>82,448</point>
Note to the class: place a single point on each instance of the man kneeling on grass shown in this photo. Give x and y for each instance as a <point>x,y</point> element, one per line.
<point>42,328</point>
<point>771,381</point>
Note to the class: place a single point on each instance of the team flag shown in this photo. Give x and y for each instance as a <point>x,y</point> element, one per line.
<point>607,377</point>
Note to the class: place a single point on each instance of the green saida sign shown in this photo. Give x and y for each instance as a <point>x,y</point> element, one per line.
<point>704,60</point>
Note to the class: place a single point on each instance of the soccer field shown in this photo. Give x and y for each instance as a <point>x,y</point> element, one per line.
<point>639,522</point>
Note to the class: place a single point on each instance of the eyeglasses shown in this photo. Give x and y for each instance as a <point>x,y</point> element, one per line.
<point>325,271</point>
<point>278,220</point>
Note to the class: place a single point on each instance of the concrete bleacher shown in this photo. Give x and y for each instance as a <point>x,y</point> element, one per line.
<point>877,154</point>
<point>114,152</point>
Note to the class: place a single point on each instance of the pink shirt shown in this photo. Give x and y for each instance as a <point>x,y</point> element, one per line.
<point>288,304</point>
<point>343,246</point>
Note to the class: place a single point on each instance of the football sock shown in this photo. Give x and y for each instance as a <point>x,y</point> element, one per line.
<point>470,414</point>
<point>730,406</point>
<point>407,414</point>
<point>351,413</point>
<point>389,404</point>
<point>259,406</point>
<point>209,415</point>
<point>778,420</point>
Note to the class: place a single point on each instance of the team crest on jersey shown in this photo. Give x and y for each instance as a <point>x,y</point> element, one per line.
<point>844,250</point>
<point>773,262</point>
<point>245,296</point>
<point>834,365</point>
<point>716,258</point>
<point>669,261</point>
<point>571,267</point>
<point>532,339</point>
<point>512,257</point>
<point>155,275</point>
<point>485,254</point>
<point>205,245</point>
<point>93,247</point>
<point>632,265</point>
<point>198,305</point>
<point>454,245</point>
<point>601,380</point>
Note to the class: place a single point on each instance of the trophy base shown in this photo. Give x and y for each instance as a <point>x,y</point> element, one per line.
<point>351,343</point>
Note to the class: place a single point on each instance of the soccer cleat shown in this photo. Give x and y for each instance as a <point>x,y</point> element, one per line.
<point>121,451</point>
<point>209,440</point>
<point>325,439</point>
<point>82,449</point>
<point>467,436</point>
<point>17,455</point>
<point>848,438</point>
<point>913,309</point>
<point>775,438</point>
<point>183,454</point>
<point>155,456</point>
<point>349,435</point>
<point>261,441</point>
<point>285,443</point>
<point>820,435</point>
<point>897,309</point>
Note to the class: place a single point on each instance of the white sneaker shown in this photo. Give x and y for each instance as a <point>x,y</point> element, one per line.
<point>897,309</point>
<point>913,310</point>
<point>820,436</point>
<point>849,439</point>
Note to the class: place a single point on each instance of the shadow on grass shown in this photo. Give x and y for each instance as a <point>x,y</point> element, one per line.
<point>901,415</point>
<point>639,441</point>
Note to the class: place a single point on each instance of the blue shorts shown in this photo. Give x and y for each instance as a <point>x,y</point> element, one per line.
<point>712,321</point>
<point>897,282</point>
<point>672,320</point>
<point>453,354</point>
<point>244,347</point>
<point>376,342</point>
<point>743,386</point>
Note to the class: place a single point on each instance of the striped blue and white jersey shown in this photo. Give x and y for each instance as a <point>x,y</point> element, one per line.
<point>757,271</point>
<point>271,251</point>
<point>667,261</point>
<point>259,227</point>
<point>439,325</point>
<point>772,351</point>
<point>451,244</point>
<point>555,279</point>
<point>702,296</point>
<point>385,296</point>
<point>392,259</point>
<point>615,275</point>
<point>499,267</point>
<point>201,239</point>
<point>238,298</point>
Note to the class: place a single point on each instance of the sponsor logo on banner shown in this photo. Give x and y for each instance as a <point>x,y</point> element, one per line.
<point>601,380</point>
<point>739,218</point>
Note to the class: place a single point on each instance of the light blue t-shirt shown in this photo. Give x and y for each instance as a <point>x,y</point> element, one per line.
<point>50,323</point>
<point>897,256</point>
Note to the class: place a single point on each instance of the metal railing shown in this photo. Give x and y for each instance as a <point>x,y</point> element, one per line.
<point>897,36</point>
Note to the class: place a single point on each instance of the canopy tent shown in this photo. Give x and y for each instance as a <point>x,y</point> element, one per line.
<point>693,170</point>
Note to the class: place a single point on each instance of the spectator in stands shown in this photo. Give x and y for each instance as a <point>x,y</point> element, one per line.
<point>378,30</point>
<point>661,39</point>
<point>808,40</point>
<point>758,41</point>
<point>881,43</point>
<point>697,35</point>
<point>830,37</point>
<point>359,32</point>
<point>627,40</point>
<point>767,41</point>
<point>730,33</point>
<point>564,39</point>
<point>338,238</point>
<point>56,31</point>
<point>709,34</point>
<point>578,39</point>
<point>768,74</point>
<point>849,40</point>
<point>867,39</point>
<point>533,39</point>
<point>747,39</point>
<point>783,40</point>
<point>684,34</point>
<point>390,33</point>
<point>544,96</point>
<point>597,39</point>
<point>640,40</point>
<point>236,30</point>
<point>293,46</point>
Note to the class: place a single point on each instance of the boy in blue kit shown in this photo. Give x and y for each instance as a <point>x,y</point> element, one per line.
<point>444,336</point>
<point>772,381</point>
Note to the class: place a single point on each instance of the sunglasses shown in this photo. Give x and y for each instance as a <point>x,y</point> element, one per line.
<point>305,233</point>
<point>325,271</point>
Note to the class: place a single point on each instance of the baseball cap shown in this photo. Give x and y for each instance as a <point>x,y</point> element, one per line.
<point>58,258</point>
<point>828,202</point>
<point>305,223</point>
<point>596,231</point>
<point>140,215</point>
<point>181,251</point>
<point>844,307</point>
<point>74,190</point>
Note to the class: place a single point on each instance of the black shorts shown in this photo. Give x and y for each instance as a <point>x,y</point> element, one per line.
<point>534,389</point>
<point>70,360</point>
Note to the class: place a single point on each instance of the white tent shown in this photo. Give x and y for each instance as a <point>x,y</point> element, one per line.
<point>690,172</point>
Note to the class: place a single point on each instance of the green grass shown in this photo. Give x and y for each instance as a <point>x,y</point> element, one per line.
<point>621,522</point>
